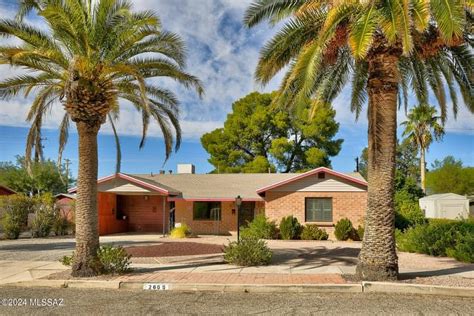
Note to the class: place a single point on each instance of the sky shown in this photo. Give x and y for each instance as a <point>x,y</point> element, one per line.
<point>223,54</point>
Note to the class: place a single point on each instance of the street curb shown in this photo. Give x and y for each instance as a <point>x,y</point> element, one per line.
<point>387,287</point>
<point>253,288</point>
<point>363,287</point>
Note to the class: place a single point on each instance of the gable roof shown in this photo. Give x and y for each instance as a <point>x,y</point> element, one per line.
<point>221,187</point>
<point>11,191</point>
<point>354,178</point>
<point>445,196</point>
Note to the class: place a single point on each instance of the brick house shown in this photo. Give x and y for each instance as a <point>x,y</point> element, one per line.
<point>206,202</point>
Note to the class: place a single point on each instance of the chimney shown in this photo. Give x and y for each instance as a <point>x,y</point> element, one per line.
<point>186,168</point>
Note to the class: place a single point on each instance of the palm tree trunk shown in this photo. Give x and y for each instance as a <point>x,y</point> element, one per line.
<point>422,170</point>
<point>85,261</point>
<point>378,259</point>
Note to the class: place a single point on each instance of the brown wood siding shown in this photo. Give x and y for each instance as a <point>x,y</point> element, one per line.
<point>108,223</point>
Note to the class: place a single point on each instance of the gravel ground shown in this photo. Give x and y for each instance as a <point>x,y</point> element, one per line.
<point>442,280</point>
<point>123,302</point>
<point>172,249</point>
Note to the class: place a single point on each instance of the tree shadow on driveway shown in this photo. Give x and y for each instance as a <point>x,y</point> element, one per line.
<point>316,257</point>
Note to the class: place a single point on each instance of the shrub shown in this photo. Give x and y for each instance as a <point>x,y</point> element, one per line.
<point>360,232</point>
<point>313,232</point>
<point>67,260</point>
<point>45,217</point>
<point>15,209</point>
<point>250,251</point>
<point>290,228</point>
<point>180,232</point>
<point>408,214</point>
<point>260,228</point>
<point>114,259</point>
<point>344,229</point>
<point>440,238</point>
<point>61,225</point>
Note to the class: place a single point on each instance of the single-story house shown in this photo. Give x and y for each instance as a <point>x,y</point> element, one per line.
<point>445,205</point>
<point>4,190</point>
<point>65,202</point>
<point>206,202</point>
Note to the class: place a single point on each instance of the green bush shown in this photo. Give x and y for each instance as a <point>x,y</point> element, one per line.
<point>290,228</point>
<point>313,232</point>
<point>407,214</point>
<point>61,225</point>
<point>46,215</point>
<point>180,232</point>
<point>14,210</point>
<point>344,229</point>
<point>114,259</point>
<point>360,232</point>
<point>250,251</point>
<point>260,228</point>
<point>440,237</point>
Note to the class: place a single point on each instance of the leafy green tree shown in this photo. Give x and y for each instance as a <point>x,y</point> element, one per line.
<point>422,127</point>
<point>383,48</point>
<point>450,176</point>
<point>258,138</point>
<point>89,56</point>
<point>44,177</point>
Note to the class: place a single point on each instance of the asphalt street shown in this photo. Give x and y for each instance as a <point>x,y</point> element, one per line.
<point>46,301</point>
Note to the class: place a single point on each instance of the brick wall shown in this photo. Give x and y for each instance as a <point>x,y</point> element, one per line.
<point>352,205</point>
<point>226,226</point>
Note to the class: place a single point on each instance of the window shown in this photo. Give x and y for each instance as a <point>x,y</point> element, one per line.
<point>318,210</point>
<point>207,211</point>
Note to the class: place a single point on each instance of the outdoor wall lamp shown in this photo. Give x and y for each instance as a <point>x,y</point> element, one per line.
<point>238,203</point>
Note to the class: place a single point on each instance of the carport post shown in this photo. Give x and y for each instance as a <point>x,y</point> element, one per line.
<point>164,214</point>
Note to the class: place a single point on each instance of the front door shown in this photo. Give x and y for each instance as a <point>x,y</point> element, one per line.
<point>247,213</point>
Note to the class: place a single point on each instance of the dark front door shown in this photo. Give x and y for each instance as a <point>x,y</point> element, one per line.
<point>247,213</point>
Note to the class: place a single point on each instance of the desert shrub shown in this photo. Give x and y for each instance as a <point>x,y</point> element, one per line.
<point>114,259</point>
<point>61,225</point>
<point>360,232</point>
<point>344,229</point>
<point>180,232</point>
<point>67,260</point>
<point>313,232</point>
<point>407,214</point>
<point>46,215</point>
<point>15,210</point>
<point>250,251</point>
<point>260,228</point>
<point>440,237</point>
<point>290,228</point>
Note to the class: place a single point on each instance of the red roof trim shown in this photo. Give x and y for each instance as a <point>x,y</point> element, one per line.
<point>7,189</point>
<point>213,199</point>
<point>310,173</point>
<point>128,178</point>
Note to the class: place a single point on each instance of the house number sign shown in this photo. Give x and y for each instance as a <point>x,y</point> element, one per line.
<point>156,286</point>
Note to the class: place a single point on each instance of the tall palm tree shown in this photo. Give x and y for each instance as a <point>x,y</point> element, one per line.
<point>92,55</point>
<point>421,127</point>
<point>383,48</point>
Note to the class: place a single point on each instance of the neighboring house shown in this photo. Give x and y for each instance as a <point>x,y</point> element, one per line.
<point>206,202</point>
<point>6,190</point>
<point>445,205</point>
<point>65,202</point>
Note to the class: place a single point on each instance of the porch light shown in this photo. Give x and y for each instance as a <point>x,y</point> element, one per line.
<point>238,203</point>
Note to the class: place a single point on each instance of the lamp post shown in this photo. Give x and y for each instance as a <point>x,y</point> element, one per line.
<point>238,203</point>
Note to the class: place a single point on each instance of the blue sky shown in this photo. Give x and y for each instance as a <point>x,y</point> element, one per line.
<point>223,54</point>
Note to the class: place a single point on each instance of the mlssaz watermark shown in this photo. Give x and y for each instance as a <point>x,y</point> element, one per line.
<point>39,302</point>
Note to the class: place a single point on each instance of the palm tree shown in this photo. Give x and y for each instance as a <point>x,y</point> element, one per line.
<point>93,55</point>
<point>421,127</point>
<point>383,48</point>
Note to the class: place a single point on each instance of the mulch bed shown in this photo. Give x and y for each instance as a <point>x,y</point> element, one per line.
<point>172,249</point>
